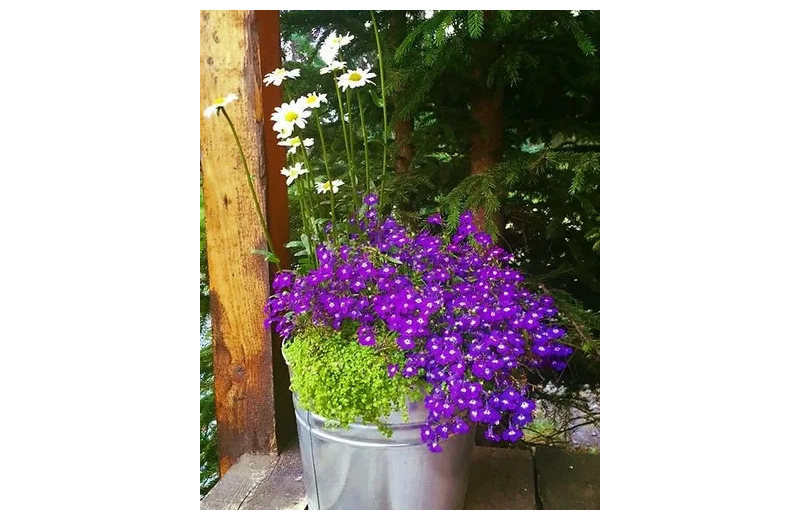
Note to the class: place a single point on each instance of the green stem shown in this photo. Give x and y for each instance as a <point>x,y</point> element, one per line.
<point>261,217</point>
<point>305,207</point>
<point>346,146</point>
<point>344,126</point>
<point>352,153</point>
<point>350,125</point>
<point>364,134</point>
<point>330,178</point>
<point>383,100</point>
<point>309,184</point>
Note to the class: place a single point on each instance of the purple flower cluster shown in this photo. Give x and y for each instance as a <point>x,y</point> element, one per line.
<point>462,315</point>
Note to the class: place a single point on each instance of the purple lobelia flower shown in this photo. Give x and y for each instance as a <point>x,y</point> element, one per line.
<point>435,219</point>
<point>454,306</point>
<point>366,336</point>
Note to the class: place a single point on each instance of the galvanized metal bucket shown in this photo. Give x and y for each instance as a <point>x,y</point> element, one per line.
<point>360,468</point>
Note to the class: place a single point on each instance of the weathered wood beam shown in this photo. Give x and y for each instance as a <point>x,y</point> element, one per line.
<point>239,281</point>
<point>269,44</point>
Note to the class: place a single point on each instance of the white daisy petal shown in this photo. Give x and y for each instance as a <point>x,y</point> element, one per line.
<point>289,115</point>
<point>355,78</point>
<point>313,100</point>
<point>334,65</point>
<point>219,103</point>
<point>277,76</point>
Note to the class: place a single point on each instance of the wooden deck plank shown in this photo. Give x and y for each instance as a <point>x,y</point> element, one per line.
<point>501,478</point>
<point>284,488</point>
<point>239,481</point>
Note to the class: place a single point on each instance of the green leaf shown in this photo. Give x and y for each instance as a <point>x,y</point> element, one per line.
<point>375,99</point>
<point>293,244</point>
<point>269,256</point>
<point>475,23</point>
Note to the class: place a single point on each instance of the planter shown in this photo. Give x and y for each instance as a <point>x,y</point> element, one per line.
<point>360,468</point>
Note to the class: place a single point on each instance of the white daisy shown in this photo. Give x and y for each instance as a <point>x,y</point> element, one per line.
<point>355,78</point>
<point>284,132</point>
<point>294,142</point>
<point>335,65</point>
<point>575,13</point>
<point>219,103</point>
<point>313,100</point>
<point>277,76</point>
<point>293,172</point>
<point>290,114</point>
<point>334,41</point>
<point>324,187</point>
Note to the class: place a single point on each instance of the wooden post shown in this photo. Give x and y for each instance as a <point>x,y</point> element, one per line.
<point>269,42</point>
<point>239,280</point>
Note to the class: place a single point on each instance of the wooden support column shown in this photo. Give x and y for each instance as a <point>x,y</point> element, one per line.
<point>239,281</point>
<point>269,43</point>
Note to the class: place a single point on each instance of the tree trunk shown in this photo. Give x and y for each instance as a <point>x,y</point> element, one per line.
<point>403,130</point>
<point>404,152</point>
<point>487,137</point>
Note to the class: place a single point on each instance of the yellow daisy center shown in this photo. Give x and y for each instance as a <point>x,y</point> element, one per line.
<point>219,101</point>
<point>280,71</point>
<point>354,76</point>
<point>291,116</point>
<point>311,99</point>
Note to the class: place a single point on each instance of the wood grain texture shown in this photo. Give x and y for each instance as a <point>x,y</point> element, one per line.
<point>238,279</point>
<point>261,481</point>
<point>269,44</point>
<point>239,481</point>
<point>284,488</point>
<point>501,478</point>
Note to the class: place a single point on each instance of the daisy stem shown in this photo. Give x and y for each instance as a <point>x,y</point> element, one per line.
<point>330,178</point>
<point>364,133</point>
<point>309,184</point>
<point>303,208</point>
<point>302,189</point>
<point>344,126</point>
<point>346,146</point>
<point>261,217</point>
<point>383,102</point>
<point>350,124</point>
<point>352,153</point>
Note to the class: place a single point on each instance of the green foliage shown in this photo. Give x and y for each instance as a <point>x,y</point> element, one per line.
<point>583,325</point>
<point>344,381</point>
<point>209,456</point>
<point>475,23</point>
